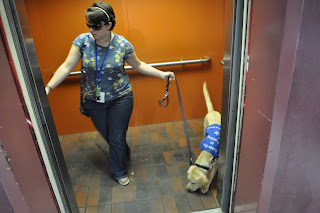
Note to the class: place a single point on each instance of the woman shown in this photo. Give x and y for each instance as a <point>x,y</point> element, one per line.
<point>108,92</point>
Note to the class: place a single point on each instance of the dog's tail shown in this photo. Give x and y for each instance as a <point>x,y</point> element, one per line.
<point>207,98</point>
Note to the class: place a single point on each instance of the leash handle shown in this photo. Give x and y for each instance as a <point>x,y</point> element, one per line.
<point>166,96</point>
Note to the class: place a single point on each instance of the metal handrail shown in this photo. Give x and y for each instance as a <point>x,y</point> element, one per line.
<point>162,64</point>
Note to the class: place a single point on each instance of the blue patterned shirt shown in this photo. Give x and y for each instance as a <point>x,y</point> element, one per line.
<point>114,80</point>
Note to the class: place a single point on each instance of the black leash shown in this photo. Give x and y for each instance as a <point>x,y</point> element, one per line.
<point>166,95</point>
<point>185,126</point>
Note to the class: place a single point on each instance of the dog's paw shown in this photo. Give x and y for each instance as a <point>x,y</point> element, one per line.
<point>204,190</point>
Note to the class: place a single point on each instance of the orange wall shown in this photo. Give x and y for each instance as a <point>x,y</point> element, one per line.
<point>160,31</point>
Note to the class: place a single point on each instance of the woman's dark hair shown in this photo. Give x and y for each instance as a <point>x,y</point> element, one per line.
<point>95,15</point>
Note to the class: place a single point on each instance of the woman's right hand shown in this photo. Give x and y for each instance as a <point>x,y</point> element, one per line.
<point>48,89</point>
<point>169,75</point>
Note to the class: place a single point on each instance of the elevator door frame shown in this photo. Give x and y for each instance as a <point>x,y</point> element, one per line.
<point>45,128</point>
<point>235,64</point>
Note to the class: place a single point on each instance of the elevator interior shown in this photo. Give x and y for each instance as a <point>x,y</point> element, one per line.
<point>32,35</point>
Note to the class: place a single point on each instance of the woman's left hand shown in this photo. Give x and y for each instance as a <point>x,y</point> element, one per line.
<point>169,75</point>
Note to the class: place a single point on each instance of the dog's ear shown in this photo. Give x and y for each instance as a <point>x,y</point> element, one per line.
<point>210,167</point>
<point>190,168</point>
<point>190,171</point>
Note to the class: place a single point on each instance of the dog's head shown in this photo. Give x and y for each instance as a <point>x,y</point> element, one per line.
<point>197,179</point>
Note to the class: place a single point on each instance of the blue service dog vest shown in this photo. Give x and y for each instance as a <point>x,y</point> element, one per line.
<point>212,140</point>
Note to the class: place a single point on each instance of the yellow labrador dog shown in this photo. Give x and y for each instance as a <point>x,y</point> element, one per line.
<point>202,172</point>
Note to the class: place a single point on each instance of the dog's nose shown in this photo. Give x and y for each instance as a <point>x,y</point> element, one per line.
<point>189,190</point>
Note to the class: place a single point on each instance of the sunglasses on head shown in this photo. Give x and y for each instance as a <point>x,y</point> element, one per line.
<point>94,26</point>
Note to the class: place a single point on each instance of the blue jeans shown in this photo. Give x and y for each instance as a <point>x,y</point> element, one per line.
<point>112,119</point>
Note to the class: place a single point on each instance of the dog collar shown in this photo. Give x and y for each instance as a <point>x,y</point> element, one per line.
<point>202,167</point>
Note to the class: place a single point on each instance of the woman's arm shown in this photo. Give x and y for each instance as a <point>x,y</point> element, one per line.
<point>65,68</point>
<point>146,69</point>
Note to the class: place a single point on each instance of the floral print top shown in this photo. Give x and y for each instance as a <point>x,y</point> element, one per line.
<point>114,80</point>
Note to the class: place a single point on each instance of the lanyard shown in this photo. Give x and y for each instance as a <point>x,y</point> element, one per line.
<point>104,58</point>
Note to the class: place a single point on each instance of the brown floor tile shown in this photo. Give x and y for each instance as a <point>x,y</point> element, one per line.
<point>214,194</point>
<point>165,187</point>
<point>83,183</point>
<point>81,197</point>
<point>154,137</point>
<point>144,130</point>
<point>131,173</point>
<point>64,147</point>
<point>161,127</point>
<point>135,131</point>
<point>100,142</point>
<point>173,170</point>
<point>168,156</point>
<point>91,145</point>
<point>92,135</point>
<point>117,208</point>
<point>169,127</point>
<point>93,198</point>
<point>153,189</point>
<point>172,135</point>
<point>66,139</point>
<point>136,139</point>
<point>183,141</point>
<point>200,137</point>
<point>182,203</point>
<point>105,209</point>
<point>140,174</point>
<point>214,191</point>
<point>208,201</point>
<point>170,204</point>
<point>177,185</point>
<point>200,121</point>
<point>175,144</point>
<point>180,133</point>
<point>129,132</point>
<point>92,209</point>
<point>195,202</point>
<point>156,206</point>
<point>84,136</point>
<point>74,138</point>
<point>76,147</point>
<point>129,193</point>
<point>163,136</point>
<point>117,194</point>
<point>130,206</point>
<point>152,128</point>
<point>195,126</point>
<point>196,151</point>
<point>99,136</point>
<point>177,126</point>
<point>143,206</point>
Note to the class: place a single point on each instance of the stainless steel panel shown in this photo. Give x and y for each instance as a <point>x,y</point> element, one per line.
<point>24,45</point>
<point>231,74</point>
<point>226,62</point>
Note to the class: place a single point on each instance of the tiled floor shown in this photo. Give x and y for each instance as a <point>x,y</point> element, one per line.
<point>157,171</point>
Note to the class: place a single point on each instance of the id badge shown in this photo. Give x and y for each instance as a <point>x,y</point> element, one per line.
<point>101,98</point>
<point>99,95</point>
